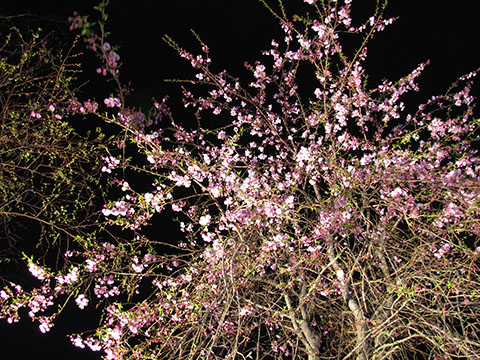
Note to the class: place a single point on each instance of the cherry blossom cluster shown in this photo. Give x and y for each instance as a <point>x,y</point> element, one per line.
<point>88,106</point>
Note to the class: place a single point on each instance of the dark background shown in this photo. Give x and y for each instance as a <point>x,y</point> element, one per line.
<point>236,30</point>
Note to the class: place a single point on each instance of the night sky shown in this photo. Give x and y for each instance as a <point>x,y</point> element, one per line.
<point>447,33</point>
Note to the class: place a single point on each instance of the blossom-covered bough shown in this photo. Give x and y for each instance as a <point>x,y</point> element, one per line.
<point>330,224</point>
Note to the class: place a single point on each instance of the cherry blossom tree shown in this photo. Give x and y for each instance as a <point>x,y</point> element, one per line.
<point>319,221</point>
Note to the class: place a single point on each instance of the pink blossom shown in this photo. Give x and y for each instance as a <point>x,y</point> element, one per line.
<point>398,192</point>
<point>149,258</point>
<point>35,114</point>
<point>111,163</point>
<point>259,71</point>
<point>70,278</point>
<point>138,268</point>
<point>81,301</point>
<point>204,220</point>
<point>112,102</point>
<point>176,207</point>
<point>45,324</point>
<point>77,341</point>
<point>37,271</point>
<point>245,311</point>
